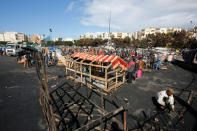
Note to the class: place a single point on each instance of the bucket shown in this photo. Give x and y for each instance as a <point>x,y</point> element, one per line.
<point>139,73</point>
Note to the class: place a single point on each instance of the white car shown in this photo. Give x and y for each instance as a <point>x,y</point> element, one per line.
<point>12,49</point>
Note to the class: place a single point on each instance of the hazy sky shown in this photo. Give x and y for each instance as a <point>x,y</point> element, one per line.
<point>70,18</point>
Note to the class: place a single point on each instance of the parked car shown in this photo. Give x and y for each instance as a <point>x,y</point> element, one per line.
<point>12,49</point>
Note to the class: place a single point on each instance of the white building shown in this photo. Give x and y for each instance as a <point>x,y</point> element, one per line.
<point>154,30</point>
<point>2,37</point>
<point>57,39</point>
<point>68,39</point>
<point>12,37</point>
<point>105,35</point>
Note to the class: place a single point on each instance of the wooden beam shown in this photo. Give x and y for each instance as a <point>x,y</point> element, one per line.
<point>90,73</point>
<point>125,120</point>
<point>106,79</point>
<point>110,79</point>
<point>113,71</point>
<point>116,76</point>
<point>81,72</point>
<point>93,65</point>
<point>98,121</point>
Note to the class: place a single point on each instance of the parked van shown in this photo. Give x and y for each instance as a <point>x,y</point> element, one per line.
<point>12,49</point>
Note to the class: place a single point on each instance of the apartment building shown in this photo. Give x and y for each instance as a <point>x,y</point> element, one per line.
<point>68,39</point>
<point>21,37</point>
<point>105,35</point>
<point>9,37</point>
<point>154,30</point>
<point>2,38</point>
<point>13,37</point>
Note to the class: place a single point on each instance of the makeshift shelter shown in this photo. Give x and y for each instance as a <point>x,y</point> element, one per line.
<point>104,71</point>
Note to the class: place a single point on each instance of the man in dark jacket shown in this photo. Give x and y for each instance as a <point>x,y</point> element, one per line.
<point>152,60</point>
<point>131,67</point>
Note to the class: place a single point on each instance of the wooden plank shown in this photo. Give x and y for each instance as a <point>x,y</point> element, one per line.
<point>81,72</point>
<point>97,122</point>
<point>93,65</point>
<point>92,76</point>
<point>116,76</point>
<point>112,71</point>
<point>125,120</point>
<point>123,78</point>
<point>115,86</point>
<point>110,79</point>
<point>106,79</point>
<point>90,73</point>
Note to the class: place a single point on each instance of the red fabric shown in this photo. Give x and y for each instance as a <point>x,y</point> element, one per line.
<point>115,60</point>
<point>101,60</point>
<point>109,59</point>
<point>105,58</point>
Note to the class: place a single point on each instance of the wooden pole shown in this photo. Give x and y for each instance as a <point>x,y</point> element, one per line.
<point>81,72</point>
<point>125,120</point>
<point>105,79</point>
<point>102,102</point>
<point>116,76</point>
<point>123,77</point>
<point>75,68</point>
<point>90,73</point>
<point>67,64</point>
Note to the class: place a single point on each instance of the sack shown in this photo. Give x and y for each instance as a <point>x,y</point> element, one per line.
<point>139,73</point>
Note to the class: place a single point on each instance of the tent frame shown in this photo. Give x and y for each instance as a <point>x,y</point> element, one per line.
<point>76,66</point>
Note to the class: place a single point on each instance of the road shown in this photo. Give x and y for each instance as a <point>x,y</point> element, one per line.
<point>19,106</point>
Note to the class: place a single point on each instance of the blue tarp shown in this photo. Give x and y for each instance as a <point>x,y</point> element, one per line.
<point>53,48</point>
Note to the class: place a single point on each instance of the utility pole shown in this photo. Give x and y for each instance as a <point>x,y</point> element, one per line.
<point>50,34</point>
<point>109,37</point>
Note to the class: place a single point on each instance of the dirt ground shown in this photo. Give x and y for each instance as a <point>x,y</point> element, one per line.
<point>19,94</point>
<point>19,106</point>
<point>141,92</point>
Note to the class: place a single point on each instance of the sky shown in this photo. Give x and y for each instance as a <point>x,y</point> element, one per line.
<point>70,18</point>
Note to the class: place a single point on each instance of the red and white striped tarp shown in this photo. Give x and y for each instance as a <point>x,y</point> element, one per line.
<point>115,60</point>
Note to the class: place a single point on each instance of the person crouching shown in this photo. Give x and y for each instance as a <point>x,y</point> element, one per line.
<point>165,99</point>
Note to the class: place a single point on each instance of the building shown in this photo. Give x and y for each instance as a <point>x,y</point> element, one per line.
<point>137,35</point>
<point>21,37</point>
<point>68,39</point>
<point>105,35</point>
<point>154,30</point>
<point>10,37</point>
<point>2,38</point>
<point>13,37</point>
<point>57,39</point>
<point>37,38</point>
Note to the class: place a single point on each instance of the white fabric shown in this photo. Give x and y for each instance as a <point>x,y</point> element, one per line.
<point>170,57</point>
<point>160,97</point>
